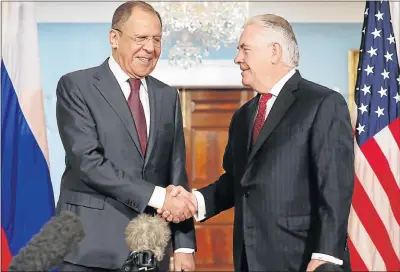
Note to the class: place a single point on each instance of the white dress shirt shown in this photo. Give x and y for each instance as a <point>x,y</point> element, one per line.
<point>158,197</point>
<point>201,205</point>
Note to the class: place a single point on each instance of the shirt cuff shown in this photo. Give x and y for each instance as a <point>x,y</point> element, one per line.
<point>326,258</point>
<point>201,206</point>
<point>157,198</point>
<point>184,250</point>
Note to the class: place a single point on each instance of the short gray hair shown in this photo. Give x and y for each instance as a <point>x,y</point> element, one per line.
<point>279,30</point>
<point>124,11</point>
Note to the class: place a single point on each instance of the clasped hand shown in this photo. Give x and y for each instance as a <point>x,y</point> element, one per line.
<point>179,204</point>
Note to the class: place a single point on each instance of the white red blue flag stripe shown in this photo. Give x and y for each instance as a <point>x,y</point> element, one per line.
<point>27,201</point>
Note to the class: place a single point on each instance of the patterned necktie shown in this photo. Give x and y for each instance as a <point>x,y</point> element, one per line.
<point>138,112</point>
<point>262,108</point>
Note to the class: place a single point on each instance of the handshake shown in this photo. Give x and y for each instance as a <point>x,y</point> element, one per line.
<point>179,204</point>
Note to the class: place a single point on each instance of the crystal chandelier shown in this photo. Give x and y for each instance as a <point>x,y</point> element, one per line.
<point>192,29</point>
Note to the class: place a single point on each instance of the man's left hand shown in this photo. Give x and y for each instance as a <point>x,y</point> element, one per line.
<point>313,264</point>
<point>184,261</point>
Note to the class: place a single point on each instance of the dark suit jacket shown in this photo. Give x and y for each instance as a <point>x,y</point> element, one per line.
<point>107,180</point>
<point>292,190</point>
<point>328,267</point>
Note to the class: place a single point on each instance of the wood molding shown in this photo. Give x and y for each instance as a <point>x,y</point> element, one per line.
<point>353,56</point>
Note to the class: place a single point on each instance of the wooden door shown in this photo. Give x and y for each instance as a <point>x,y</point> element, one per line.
<point>206,117</point>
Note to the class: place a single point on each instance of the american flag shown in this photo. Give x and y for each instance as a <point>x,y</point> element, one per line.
<point>374,223</point>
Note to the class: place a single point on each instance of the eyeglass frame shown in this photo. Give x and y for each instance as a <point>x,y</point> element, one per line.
<point>146,39</point>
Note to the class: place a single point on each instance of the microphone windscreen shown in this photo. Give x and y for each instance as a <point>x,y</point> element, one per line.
<point>47,249</point>
<point>147,232</point>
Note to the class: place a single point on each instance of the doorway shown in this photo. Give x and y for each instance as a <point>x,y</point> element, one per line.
<point>206,117</point>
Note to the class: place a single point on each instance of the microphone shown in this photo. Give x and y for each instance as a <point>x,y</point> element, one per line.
<point>47,249</point>
<point>147,237</point>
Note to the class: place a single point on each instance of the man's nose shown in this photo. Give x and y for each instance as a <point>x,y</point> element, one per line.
<point>238,59</point>
<point>149,45</point>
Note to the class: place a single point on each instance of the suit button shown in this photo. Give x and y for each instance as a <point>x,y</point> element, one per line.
<point>246,194</point>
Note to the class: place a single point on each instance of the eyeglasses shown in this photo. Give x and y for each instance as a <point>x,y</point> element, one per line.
<point>142,40</point>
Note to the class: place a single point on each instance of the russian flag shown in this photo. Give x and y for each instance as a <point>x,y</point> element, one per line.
<point>27,200</point>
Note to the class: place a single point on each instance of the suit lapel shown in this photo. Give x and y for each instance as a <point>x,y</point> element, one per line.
<point>278,111</point>
<point>155,98</point>
<point>250,115</point>
<point>111,91</point>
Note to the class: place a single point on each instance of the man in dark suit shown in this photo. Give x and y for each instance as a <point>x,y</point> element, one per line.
<point>288,161</point>
<point>123,137</point>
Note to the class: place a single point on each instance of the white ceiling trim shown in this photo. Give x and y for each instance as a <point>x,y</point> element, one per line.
<point>293,11</point>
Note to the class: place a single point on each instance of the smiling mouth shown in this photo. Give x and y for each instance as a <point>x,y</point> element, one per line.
<point>145,60</point>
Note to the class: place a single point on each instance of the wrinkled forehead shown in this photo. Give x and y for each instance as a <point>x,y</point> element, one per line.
<point>252,35</point>
<point>143,23</point>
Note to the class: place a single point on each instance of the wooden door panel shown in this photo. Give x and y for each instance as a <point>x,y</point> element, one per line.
<point>206,117</point>
<point>218,242</point>
<point>208,147</point>
<point>210,121</point>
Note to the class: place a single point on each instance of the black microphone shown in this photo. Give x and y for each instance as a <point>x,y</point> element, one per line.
<point>147,237</point>
<point>47,249</point>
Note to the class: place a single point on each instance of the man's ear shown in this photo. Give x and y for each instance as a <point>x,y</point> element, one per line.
<point>114,39</point>
<point>276,52</point>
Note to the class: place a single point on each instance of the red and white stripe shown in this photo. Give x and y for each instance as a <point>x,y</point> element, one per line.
<point>374,223</point>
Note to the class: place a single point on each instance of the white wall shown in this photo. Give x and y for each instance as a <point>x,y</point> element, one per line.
<point>297,11</point>
<point>294,11</point>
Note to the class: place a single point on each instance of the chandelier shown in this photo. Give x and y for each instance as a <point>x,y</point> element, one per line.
<point>192,29</point>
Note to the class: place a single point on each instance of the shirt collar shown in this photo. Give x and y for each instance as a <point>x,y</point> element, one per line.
<point>276,89</point>
<point>120,75</point>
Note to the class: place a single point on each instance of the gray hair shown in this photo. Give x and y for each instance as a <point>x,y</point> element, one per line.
<point>124,11</point>
<point>279,30</point>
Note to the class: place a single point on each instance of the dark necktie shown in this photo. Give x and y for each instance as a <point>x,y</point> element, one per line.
<point>259,122</point>
<point>138,112</point>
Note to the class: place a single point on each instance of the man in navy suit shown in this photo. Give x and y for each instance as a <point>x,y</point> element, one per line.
<point>289,162</point>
